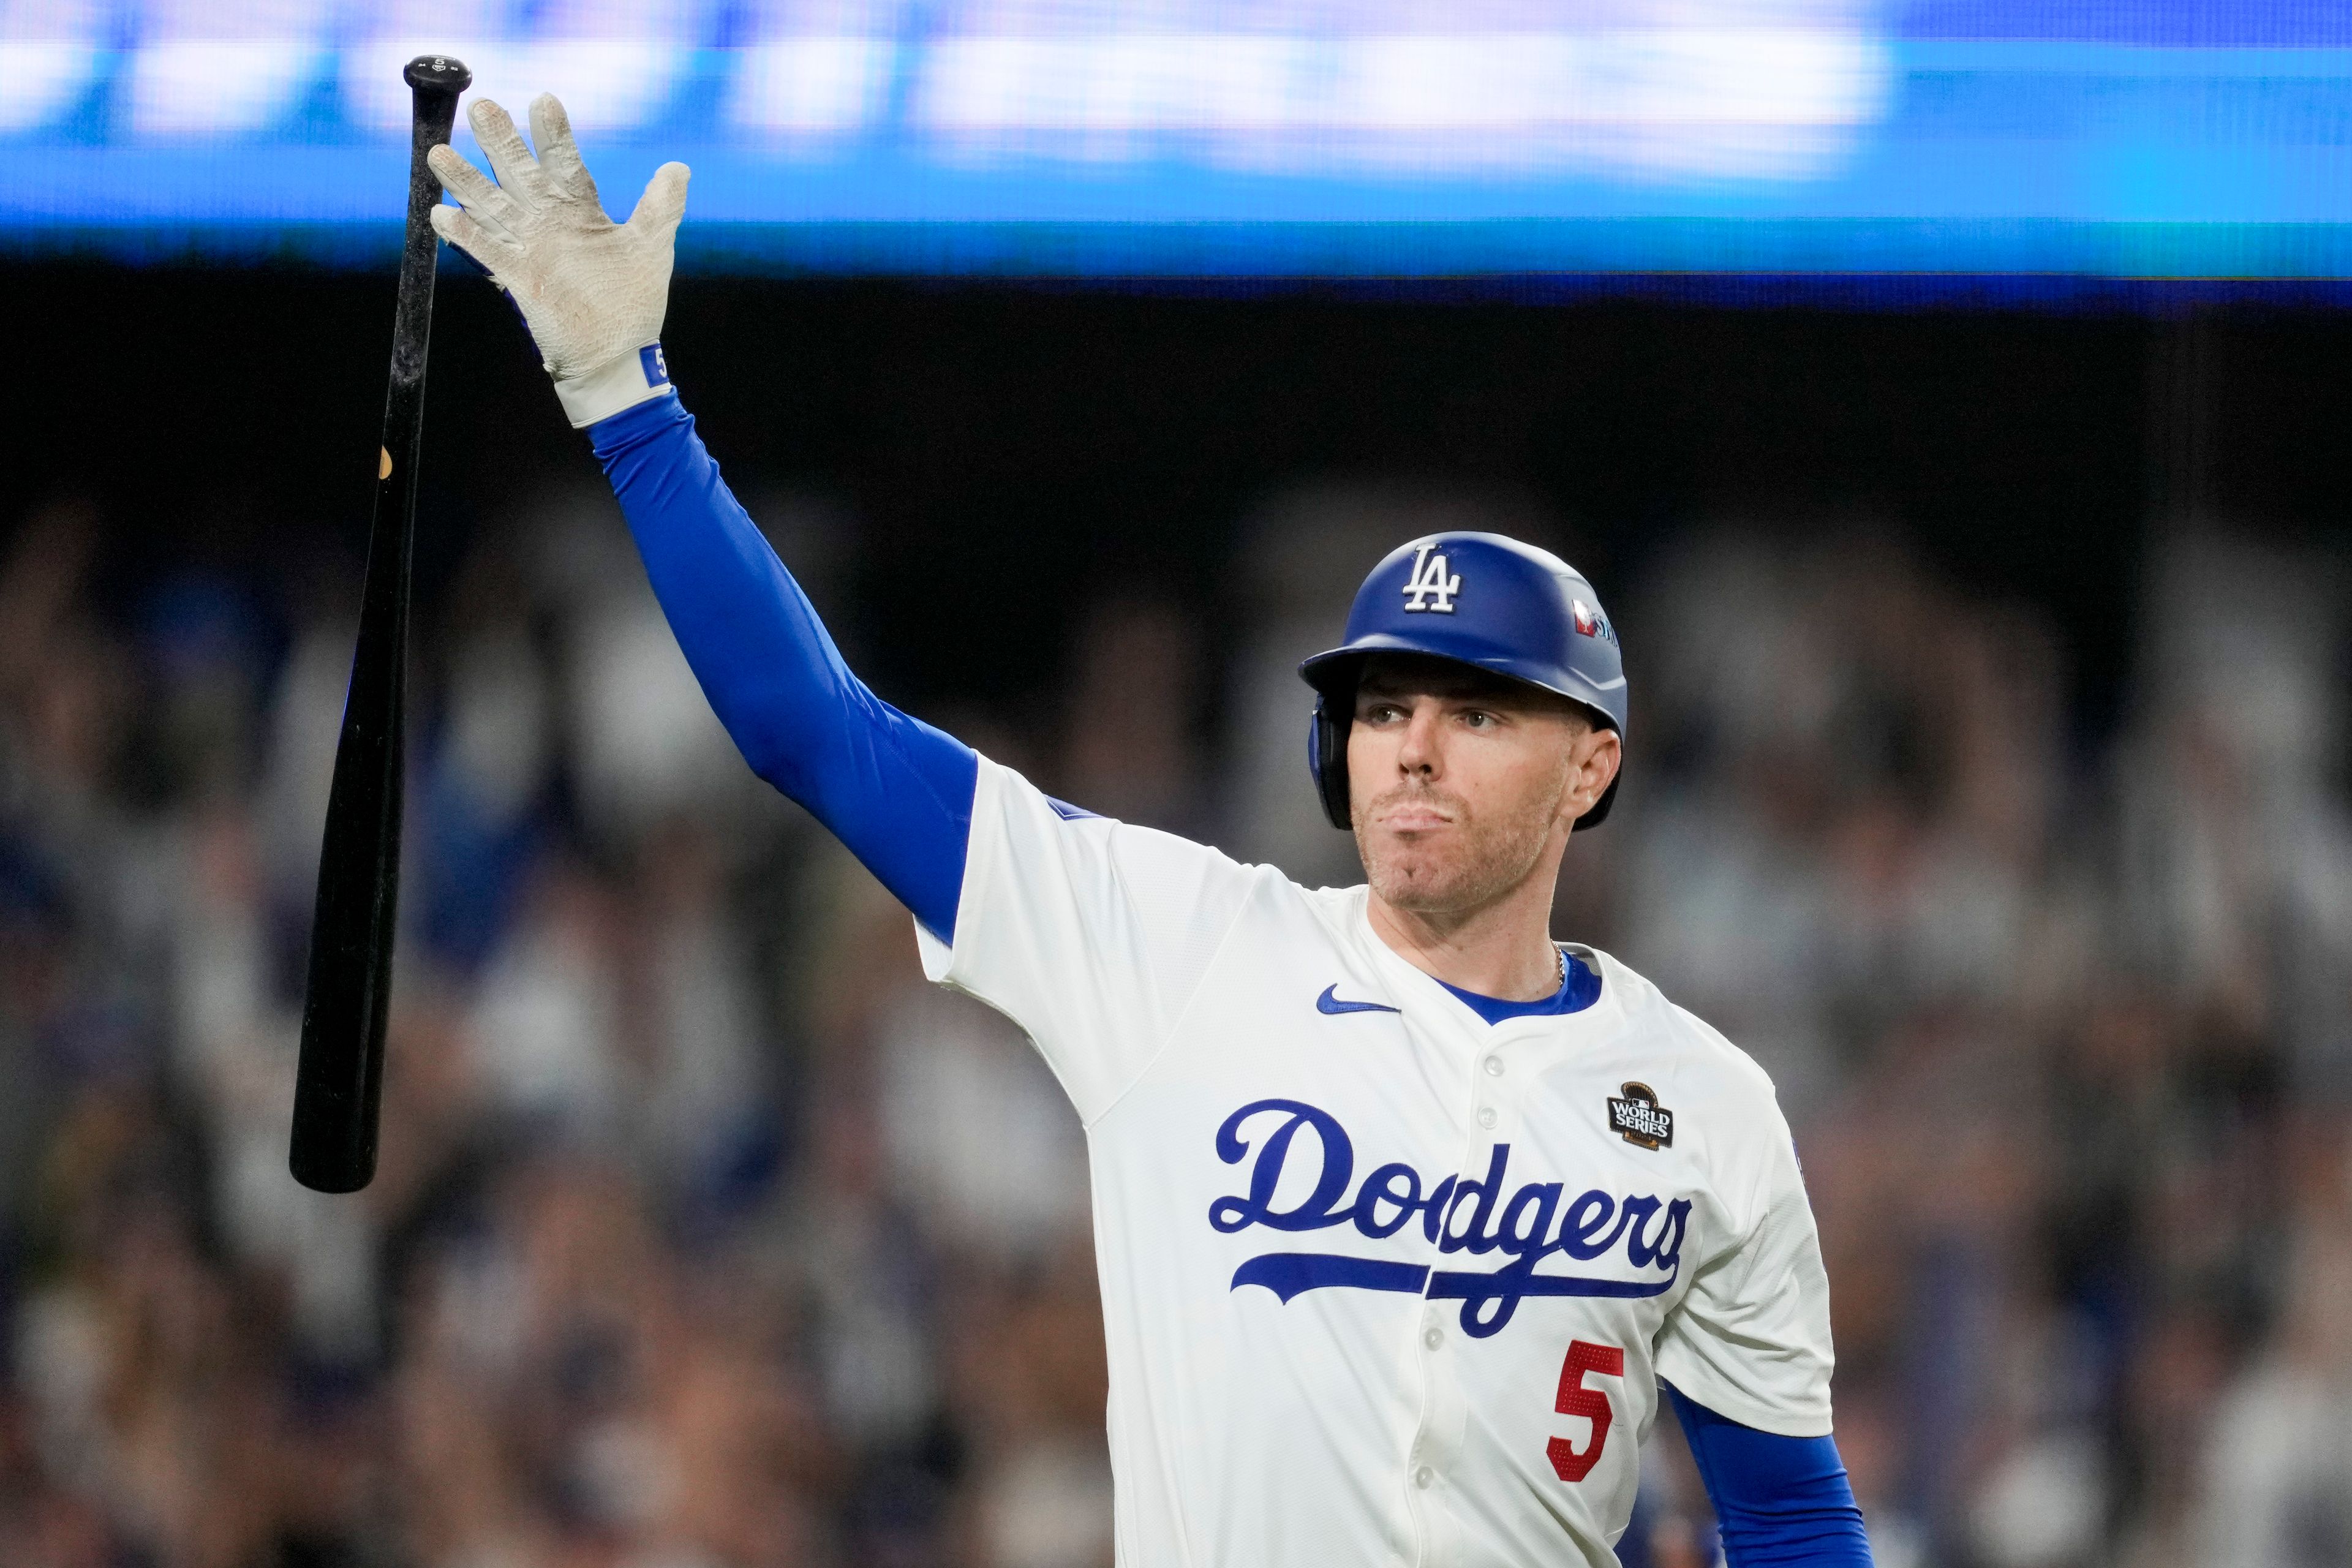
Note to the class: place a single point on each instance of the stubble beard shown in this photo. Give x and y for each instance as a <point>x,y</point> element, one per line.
<point>1476,864</point>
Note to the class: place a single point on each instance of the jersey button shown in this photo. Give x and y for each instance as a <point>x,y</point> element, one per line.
<point>1494,1067</point>
<point>1433,1338</point>
<point>1423,1477</point>
<point>1487,1116</point>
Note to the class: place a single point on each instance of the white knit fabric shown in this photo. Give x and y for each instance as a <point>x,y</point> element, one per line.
<point>1382,1284</point>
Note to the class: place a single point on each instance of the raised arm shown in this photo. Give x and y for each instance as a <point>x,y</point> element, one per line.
<point>892,788</point>
<point>895,791</point>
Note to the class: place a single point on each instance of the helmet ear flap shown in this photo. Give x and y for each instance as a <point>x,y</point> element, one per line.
<point>1327,760</point>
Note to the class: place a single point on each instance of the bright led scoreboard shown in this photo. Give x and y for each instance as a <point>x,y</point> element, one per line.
<point>2105,139</point>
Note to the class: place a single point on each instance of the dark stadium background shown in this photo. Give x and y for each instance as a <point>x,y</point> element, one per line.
<point>1009,444</point>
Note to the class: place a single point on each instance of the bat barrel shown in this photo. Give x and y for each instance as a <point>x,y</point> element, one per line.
<point>338,1084</point>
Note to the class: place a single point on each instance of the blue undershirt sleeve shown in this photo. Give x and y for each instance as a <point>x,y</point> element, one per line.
<point>895,791</point>
<point>1779,1501</point>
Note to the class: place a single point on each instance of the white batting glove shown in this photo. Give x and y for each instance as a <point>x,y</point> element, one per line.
<point>591,291</point>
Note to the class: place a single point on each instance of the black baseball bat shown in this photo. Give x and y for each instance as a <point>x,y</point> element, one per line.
<point>340,1081</point>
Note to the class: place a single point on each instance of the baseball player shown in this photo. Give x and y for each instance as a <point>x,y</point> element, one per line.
<point>1407,1216</point>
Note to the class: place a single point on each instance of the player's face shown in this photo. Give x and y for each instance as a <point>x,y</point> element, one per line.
<point>1464,784</point>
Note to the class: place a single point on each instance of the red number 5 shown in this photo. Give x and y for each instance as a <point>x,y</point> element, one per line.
<point>1575,1399</point>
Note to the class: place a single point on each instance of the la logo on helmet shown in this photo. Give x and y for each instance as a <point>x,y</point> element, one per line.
<point>1428,587</point>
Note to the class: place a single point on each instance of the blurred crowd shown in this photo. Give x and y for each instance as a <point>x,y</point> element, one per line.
<point>708,1235</point>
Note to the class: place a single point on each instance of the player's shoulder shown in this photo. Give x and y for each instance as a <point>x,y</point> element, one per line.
<point>1708,1063</point>
<point>1030,821</point>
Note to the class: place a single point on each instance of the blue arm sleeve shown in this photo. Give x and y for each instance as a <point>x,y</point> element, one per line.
<point>1779,1503</point>
<point>893,789</point>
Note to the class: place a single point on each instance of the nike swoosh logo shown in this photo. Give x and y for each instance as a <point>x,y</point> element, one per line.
<point>1329,1003</point>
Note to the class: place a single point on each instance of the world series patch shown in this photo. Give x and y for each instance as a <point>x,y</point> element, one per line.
<point>1640,1119</point>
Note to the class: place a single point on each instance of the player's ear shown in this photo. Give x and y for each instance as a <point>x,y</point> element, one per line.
<point>1594,753</point>
<point>1607,754</point>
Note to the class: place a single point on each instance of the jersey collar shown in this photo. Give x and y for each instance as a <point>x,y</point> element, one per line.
<point>1443,1001</point>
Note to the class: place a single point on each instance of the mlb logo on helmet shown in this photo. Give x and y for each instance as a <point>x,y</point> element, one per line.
<point>1590,622</point>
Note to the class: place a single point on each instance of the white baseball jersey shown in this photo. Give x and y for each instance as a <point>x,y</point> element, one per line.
<point>1383,1283</point>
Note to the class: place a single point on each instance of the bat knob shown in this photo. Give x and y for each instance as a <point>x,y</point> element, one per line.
<point>438,73</point>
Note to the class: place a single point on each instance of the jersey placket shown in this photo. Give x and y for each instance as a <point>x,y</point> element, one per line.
<point>1477,1051</point>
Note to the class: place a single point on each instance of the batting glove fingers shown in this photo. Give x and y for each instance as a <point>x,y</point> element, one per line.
<point>593,293</point>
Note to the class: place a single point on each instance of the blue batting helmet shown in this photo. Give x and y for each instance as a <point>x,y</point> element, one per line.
<point>1479,599</point>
